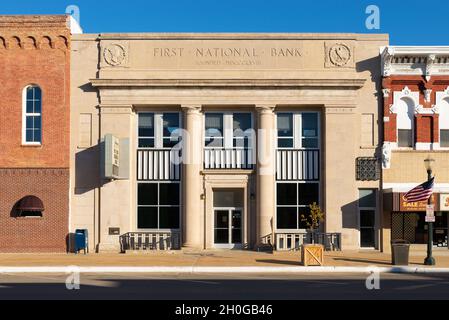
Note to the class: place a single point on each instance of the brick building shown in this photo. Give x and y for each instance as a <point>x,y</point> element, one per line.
<point>34,132</point>
<point>416,126</point>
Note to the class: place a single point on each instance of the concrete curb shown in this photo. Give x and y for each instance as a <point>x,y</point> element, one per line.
<point>220,270</point>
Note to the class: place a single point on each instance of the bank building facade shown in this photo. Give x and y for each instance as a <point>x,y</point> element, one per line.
<point>224,140</point>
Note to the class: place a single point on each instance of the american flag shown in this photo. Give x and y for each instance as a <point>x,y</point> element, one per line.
<point>420,193</point>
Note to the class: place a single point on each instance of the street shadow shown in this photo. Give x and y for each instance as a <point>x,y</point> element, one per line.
<point>283,262</point>
<point>305,287</point>
<point>363,261</point>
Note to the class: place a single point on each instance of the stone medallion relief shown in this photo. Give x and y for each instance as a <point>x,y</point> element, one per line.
<point>339,55</point>
<point>115,54</point>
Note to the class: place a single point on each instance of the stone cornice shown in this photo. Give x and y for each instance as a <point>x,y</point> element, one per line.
<point>419,60</point>
<point>195,83</point>
<point>241,36</point>
<point>416,50</point>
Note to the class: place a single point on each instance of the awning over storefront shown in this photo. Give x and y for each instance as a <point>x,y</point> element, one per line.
<point>395,202</point>
<point>30,203</point>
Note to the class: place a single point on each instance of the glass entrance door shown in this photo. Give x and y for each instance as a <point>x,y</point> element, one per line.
<point>228,227</point>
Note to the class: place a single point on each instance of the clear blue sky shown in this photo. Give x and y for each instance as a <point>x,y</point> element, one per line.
<point>410,22</point>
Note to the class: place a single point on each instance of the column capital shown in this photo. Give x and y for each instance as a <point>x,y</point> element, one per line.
<point>265,108</point>
<point>191,108</point>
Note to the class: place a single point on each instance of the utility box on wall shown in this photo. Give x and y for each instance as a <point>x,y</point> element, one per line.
<point>115,157</point>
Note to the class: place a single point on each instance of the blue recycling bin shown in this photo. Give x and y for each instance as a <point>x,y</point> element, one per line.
<point>81,240</point>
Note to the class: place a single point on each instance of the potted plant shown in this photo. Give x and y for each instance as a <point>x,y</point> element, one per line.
<point>313,254</point>
<point>314,219</point>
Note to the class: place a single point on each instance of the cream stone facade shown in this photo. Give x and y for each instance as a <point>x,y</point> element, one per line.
<point>322,89</point>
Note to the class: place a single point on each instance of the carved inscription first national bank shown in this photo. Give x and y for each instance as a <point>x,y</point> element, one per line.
<point>226,55</point>
<point>205,54</point>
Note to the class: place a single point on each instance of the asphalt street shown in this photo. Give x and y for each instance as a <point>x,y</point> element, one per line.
<point>224,287</point>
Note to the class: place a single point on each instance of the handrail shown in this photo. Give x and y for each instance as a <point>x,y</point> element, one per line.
<point>151,240</point>
<point>293,240</point>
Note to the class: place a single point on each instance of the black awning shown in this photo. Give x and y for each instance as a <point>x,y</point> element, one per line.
<point>30,203</point>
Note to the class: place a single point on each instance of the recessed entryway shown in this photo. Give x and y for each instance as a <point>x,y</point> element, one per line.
<point>228,218</point>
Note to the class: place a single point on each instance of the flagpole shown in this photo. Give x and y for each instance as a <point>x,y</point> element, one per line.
<point>429,260</point>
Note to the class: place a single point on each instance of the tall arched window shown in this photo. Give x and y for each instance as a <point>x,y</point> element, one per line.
<point>32,115</point>
<point>444,123</point>
<point>405,122</point>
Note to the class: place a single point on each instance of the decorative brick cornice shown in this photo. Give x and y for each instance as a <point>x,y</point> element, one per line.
<point>34,32</point>
<point>34,41</point>
<point>34,22</point>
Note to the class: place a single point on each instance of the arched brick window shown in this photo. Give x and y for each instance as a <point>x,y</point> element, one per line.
<point>405,122</point>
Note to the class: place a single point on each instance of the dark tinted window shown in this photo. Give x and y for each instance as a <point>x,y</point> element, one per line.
<point>147,218</point>
<point>287,218</point>
<point>169,194</point>
<point>169,217</point>
<point>308,193</point>
<point>287,193</point>
<point>147,194</point>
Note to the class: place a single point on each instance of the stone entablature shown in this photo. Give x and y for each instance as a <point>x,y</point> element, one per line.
<point>235,56</point>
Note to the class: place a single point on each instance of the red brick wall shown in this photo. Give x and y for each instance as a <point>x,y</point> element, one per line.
<point>46,234</point>
<point>35,50</point>
<point>424,129</point>
<point>427,129</point>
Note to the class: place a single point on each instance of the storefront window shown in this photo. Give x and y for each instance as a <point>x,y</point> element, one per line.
<point>411,226</point>
<point>228,130</point>
<point>241,126</point>
<point>214,130</point>
<point>298,130</point>
<point>158,205</point>
<point>285,130</point>
<point>293,200</point>
<point>158,130</point>
<point>170,126</point>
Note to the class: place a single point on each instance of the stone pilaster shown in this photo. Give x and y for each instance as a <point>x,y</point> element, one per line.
<point>192,158</point>
<point>266,173</point>
<point>115,206</point>
<point>339,183</point>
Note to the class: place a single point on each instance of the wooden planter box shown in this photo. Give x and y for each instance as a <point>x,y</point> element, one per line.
<point>312,254</point>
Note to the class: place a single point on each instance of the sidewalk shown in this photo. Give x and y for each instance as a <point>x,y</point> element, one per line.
<point>212,258</point>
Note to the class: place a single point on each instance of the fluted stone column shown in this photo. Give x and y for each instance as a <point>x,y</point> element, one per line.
<point>192,186</point>
<point>266,144</point>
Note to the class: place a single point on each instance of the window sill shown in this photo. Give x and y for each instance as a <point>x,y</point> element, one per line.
<point>150,230</point>
<point>32,145</point>
<point>25,218</point>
